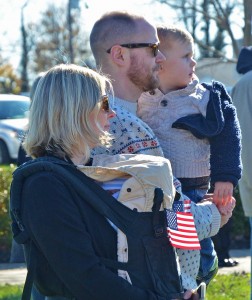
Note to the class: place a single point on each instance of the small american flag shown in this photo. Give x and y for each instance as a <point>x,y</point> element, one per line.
<point>181,228</point>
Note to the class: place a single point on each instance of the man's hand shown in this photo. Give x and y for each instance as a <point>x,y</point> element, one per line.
<point>223,192</point>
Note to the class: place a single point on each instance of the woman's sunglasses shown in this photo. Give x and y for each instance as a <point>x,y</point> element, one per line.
<point>105,103</point>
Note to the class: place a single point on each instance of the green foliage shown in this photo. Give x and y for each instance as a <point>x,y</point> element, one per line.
<point>223,287</point>
<point>5,230</point>
<point>228,287</point>
<point>11,292</point>
<point>9,83</point>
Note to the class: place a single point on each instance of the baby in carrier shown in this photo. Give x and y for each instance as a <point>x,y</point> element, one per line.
<point>132,180</point>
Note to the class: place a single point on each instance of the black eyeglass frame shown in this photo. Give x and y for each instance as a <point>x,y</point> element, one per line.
<point>153,46</point>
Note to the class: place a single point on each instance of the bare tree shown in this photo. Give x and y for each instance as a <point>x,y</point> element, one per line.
<point>247,22</point>
<point>213,19</point>
<point>24,58</point>
<point>51,42</point>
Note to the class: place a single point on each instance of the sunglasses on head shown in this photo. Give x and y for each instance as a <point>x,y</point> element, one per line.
<point>105,103</point>
<point>154,47</point>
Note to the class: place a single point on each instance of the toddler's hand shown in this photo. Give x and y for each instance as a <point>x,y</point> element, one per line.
<point>226,211</point>
<point>223,192</point>
<point>228,208</point>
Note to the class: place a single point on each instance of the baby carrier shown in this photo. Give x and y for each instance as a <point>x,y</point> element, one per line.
<point>154,267</point>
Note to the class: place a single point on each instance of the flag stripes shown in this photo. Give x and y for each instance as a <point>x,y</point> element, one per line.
<point>181,228</point>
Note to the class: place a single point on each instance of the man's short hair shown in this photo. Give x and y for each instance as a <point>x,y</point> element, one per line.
<point>117,27</point>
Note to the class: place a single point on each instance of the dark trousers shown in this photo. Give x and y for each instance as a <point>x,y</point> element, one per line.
<point>222,241</point>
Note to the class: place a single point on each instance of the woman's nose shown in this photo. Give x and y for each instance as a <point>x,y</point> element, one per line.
<point>111,113</point>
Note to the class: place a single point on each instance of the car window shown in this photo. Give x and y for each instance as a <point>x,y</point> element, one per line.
<point>14,109</point>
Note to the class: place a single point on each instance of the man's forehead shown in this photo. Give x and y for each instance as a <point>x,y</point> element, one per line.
<point>146,31</point>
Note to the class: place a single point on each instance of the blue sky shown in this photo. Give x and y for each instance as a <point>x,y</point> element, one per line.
<point>10,17</point>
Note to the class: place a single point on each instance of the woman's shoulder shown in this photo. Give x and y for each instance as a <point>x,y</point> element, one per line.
<point>40,172</point>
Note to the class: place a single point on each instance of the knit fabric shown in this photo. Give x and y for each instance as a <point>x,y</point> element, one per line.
<point>133,136</point>
<point>137,192</point>
<point>225,143</point>
<point>130,134</point>
<point>189,155</point>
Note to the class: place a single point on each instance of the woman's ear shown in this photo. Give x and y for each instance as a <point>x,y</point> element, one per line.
<point>118,54</point>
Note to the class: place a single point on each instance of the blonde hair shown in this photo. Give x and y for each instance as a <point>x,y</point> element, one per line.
<point>169,34</point>
<point>59,115</point>
<point>34,85</point>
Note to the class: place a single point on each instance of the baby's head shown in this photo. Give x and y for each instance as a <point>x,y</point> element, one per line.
<point>177,45</point>
<point>168,35</point>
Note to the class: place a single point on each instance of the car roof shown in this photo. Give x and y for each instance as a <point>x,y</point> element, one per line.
<point>11,97</point>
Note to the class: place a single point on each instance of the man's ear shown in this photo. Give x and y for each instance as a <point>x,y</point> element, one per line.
<point>118,54</point>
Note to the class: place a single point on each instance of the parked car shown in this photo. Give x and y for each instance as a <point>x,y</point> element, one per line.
<point>14,111</point>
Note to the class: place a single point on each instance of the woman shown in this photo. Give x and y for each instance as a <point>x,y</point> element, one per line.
<point>69,115</point>
<point>67,221</point>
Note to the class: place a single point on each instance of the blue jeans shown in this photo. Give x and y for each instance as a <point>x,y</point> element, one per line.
<point>207,253</point>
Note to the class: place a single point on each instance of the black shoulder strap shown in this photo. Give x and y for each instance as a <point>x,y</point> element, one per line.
<point>31,266</point>
<point>123,217</point>
<point>98,198</point>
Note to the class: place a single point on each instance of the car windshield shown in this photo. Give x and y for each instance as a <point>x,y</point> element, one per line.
<point>14,109</point>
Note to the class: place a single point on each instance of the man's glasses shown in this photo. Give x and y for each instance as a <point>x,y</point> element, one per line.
<point>154,47</point>
<point>105,103</point>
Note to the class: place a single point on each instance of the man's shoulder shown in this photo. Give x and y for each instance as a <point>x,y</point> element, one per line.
<point>126,119</point>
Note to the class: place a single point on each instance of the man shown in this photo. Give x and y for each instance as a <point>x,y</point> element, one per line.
<point>125,47</point>
<point>242,98</point>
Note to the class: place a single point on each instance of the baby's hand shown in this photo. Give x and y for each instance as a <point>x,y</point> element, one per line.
<point>223,192</point>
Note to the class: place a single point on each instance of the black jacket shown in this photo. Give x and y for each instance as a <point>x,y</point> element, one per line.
<point>77,240</point>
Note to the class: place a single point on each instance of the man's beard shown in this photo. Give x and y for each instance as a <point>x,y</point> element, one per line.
<point>142,76</point>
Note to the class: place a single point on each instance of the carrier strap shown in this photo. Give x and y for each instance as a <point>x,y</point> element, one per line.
<point>120,215</point>
<point>123,217</point>
<point>31,266</point>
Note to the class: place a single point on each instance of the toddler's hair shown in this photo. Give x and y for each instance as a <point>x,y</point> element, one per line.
<point>168,34</point>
